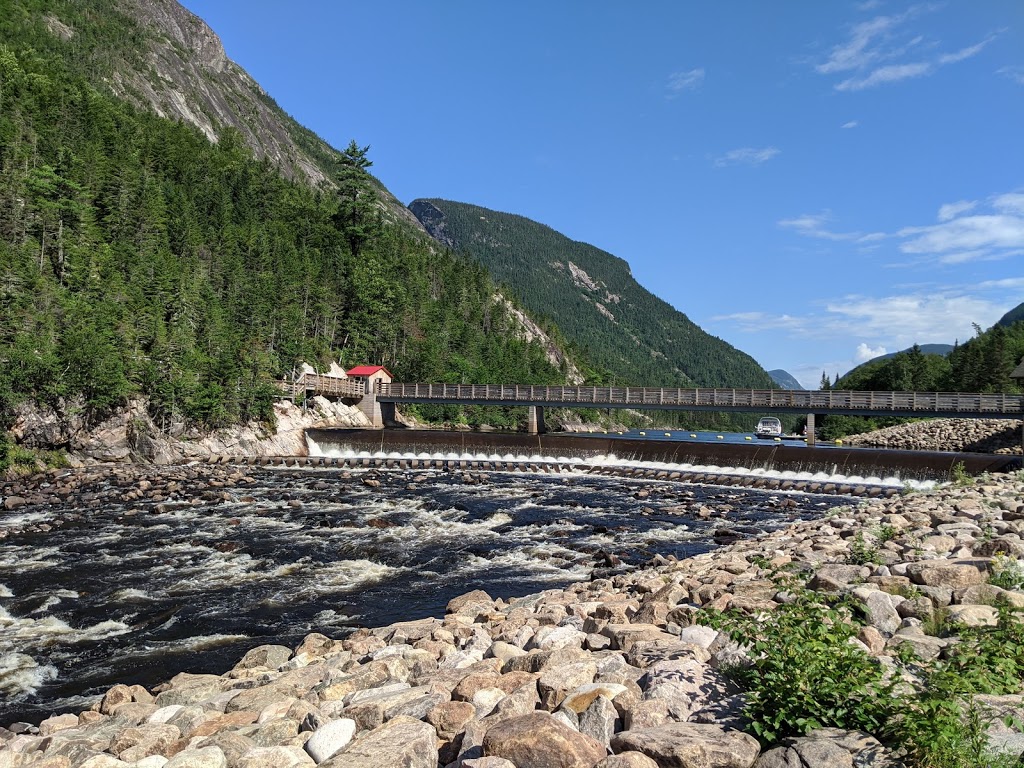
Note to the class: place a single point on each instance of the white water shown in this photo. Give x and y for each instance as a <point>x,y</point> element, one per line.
<point>613,461</point>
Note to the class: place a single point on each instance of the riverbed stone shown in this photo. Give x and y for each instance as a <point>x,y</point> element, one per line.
<point>688,745</point>
<point>402,741</point>
<point>538,740</point>
<point>205,757</point>
<point>329,738</point>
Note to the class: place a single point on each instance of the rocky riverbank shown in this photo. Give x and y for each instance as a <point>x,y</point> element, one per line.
<point>131,435</point>
<point>959,435</point>
<point>615,673</point>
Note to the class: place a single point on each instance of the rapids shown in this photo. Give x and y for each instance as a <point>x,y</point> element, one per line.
<point>136,591</point>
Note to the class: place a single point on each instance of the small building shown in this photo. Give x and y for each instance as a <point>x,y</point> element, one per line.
<point>370,375</point>
<point>1018,373</point>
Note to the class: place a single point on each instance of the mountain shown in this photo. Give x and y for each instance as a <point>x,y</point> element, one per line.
<point>928,349</point>
<point>784,379</point>
<point>1015,315</point>
<point>627,333</point>
<point>168,235</point>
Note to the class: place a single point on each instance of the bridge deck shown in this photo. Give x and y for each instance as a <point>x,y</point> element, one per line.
<point>923,404</point>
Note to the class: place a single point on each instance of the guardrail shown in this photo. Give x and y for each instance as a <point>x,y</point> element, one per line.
<point>322,385</point>
<point>809,400</point>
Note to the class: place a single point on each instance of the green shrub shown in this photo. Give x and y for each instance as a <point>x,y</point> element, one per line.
<point>805,672</point>
<point>1006,573</point>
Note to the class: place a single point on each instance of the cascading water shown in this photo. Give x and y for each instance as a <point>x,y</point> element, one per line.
<point>134,590</point>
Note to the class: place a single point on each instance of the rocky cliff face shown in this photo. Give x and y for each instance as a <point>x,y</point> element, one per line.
<point>131,436</point>
<point>188,77</point>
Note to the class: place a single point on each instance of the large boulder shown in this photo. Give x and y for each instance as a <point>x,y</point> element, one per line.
<point>401,741</point>
<point>539,740</point>
<point>691,745</point>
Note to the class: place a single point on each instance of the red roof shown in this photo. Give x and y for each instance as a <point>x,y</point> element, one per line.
<point>368,370</point>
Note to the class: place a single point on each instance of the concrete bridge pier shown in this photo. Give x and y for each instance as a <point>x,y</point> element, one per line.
<point>373,410</point>
<point>810,430</point>
<point>535,420</point>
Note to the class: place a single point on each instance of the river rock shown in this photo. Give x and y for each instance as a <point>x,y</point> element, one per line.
<point>329,738</point>
<point>689,745</point>
<point>538,740</point>
<point>402,741</point>
<point>206,757</point>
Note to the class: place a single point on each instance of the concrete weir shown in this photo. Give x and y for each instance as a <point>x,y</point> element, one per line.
<point>557,467</point>
<point>755,465</point>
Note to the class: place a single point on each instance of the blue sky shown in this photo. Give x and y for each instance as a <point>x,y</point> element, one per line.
<point>814,182</point>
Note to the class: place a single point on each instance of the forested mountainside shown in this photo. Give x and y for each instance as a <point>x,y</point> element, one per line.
<point>784,379</point>
<point>137,257</point>
<point>981,364</point>
<point>632,336</point>
<point>1015,315</point>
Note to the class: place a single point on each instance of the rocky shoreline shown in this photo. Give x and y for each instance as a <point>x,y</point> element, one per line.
<point>623,672</point>
<point>1001,436</point>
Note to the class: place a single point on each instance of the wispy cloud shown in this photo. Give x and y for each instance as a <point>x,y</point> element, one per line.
<point>747,156</point>
<point>1014,73</point>
<point>817,225</point>
<point>963,233</point>
<point>689,80</point>
<point>952,210</point>
<point>850,124</point>
<point>877,51</point>
<point>887,74</point>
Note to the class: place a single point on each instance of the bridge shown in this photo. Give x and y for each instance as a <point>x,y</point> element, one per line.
<point>809,402</point>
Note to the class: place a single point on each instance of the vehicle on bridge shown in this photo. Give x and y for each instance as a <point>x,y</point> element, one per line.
<point>768,427</point>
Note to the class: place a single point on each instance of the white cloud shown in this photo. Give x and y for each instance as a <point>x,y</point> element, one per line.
<point>967,233</point>
<point>1014,73</point>
<point>1011,202</point>
<point>857,53</point>
<point>952,210</point>
<point>747,156</point>
<point>815,225</point>
<point>851,124</point>
<point>865,352</point>
<point>965,53</point>
<point>684,81</point>
<point>887,74</point>
<point>873,53</point>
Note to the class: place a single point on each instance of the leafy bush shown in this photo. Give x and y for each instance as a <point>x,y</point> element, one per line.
<point>1006,573</point>
<point>806,674</point>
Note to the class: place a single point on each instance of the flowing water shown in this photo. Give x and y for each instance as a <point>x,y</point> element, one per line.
<point>137,591</point>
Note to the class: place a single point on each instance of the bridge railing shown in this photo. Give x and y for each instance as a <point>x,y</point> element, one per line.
<point>836,399</point>
<point>313,383</point>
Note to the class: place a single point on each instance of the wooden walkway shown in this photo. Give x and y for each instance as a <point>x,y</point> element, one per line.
<point>921,404</point>
<point>309,384</point>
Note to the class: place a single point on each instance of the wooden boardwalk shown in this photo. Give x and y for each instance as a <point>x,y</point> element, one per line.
<point>310,384</point>
<point>837,401</point>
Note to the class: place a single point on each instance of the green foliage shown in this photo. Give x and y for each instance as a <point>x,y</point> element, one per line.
<point>1006,572</point>
<point>959,476</point>
<point>939,724</point>
<point>982,364</point>
<point>138,258</point>
<point>862,552</point>
<point>805,672</point>
<point>628,335</point>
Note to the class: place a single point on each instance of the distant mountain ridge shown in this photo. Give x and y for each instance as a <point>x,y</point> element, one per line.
<point>785,379</point>
<point>591,295</point>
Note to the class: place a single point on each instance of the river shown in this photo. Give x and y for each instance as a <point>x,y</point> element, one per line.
<point>135,590</point>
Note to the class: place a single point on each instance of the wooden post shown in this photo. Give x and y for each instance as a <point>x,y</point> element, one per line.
<point>810,429</point>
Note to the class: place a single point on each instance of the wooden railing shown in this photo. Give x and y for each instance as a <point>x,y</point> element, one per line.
<point>313,383</point>
<point>808,400</point>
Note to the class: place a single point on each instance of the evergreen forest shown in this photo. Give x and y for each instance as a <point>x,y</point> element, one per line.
<point>137,258</point>
<point>982,364</point>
